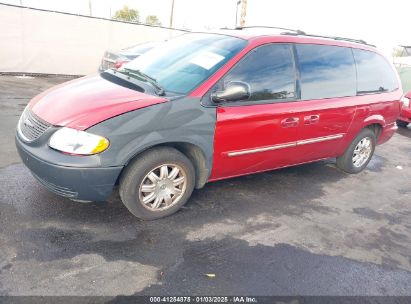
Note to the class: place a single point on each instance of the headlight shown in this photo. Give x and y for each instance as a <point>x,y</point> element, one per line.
<point>405,101</point>
<point>78,142</point>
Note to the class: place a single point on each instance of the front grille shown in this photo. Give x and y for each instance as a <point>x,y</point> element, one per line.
<point>31,126</point>
<point>62,191</point>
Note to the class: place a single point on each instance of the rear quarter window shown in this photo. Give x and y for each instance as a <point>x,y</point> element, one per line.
<point>374,73</point>
<point>326,71</point>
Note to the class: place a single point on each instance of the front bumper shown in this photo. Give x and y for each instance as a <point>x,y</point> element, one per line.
<point>79,183</point>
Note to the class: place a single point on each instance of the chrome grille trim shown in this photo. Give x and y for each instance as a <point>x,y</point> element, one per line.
<point>30,126</point>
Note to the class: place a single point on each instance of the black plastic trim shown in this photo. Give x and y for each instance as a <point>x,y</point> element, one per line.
<point>90,184</point>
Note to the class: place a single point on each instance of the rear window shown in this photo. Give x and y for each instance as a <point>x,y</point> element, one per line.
<point>326,71</point>
<point>374,73</point>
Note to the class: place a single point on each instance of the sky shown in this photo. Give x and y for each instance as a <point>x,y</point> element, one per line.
<point>385,23</point>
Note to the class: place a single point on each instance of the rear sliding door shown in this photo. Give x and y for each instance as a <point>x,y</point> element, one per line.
<point>328,102</point>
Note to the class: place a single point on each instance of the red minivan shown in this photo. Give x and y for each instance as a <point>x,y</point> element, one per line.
<point>209,106</point>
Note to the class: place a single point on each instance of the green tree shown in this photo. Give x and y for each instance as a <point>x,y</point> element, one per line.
<point>152,20</point>
<point>127,14</point>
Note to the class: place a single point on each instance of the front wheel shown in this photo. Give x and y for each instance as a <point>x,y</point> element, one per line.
<point>359,153</point>
<point>157,183</point>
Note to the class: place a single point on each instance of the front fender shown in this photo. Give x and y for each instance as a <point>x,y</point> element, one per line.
<point>183,120</point>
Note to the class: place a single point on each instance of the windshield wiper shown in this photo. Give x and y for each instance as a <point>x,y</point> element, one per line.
<point>146,78</point>
<point>379,90</point>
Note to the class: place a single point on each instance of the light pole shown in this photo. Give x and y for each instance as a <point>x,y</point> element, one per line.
<point>89,7</point>
<point>236,13</point>
<point>172,12</point>
<point>243,12</point>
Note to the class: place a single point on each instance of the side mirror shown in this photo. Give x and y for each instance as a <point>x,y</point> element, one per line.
<point>234,91</point>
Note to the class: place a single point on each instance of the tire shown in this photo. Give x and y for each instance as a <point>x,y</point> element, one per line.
<point>137,184</point>
<point>346,161</point>
<point>402,124</point>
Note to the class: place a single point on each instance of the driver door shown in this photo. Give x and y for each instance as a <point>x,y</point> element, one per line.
<point>257,132</point>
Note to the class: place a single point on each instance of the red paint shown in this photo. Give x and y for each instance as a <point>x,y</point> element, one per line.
<point>84,102</point>
<point>405,114</point>
<point>242,128</point>
<point>258,126</point>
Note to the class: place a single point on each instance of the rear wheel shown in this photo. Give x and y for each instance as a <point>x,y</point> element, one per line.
<point>359,153</point>
<point>157,183</point>
<point>402,124</point>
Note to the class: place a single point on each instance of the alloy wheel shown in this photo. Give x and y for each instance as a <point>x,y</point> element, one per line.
<point>163,187</point>
<point>362,152</point>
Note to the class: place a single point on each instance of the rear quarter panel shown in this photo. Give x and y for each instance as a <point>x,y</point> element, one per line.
<point>382,109</point>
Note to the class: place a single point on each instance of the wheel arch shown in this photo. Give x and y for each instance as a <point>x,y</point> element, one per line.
<point>373,122</point>
<point>376,128</point>
<point>196,155</point>
<point>192,151</point>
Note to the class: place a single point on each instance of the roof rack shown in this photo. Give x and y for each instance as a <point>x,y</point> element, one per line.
<point>341,38</point>
<point>298,32</point>
<point>302,33</point>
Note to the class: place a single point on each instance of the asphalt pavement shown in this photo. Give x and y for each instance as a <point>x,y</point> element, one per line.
<point>304,230</point>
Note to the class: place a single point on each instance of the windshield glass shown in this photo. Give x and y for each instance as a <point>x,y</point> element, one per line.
<point>182,63</point>
<point>407,51</point>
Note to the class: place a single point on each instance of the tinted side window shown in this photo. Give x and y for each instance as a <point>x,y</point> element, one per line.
<point>269,70</point>
<point>374,73</point>
<point>326,71</point>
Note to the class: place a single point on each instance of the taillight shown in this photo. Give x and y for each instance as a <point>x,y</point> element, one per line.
<point>119,64</point>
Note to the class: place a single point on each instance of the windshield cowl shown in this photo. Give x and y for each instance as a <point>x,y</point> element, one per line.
<point>144,77</point>
<point>125,80</point>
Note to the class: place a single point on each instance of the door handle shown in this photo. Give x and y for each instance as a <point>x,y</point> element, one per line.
<point>311,119</point>
<point>290,122</point>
